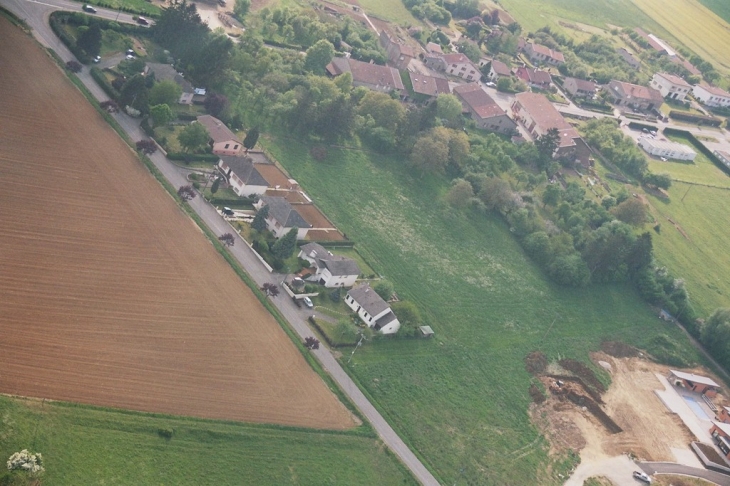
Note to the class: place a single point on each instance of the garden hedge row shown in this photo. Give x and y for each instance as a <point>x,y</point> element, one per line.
<point>192,157</point>
<point>68,41</point>
<point>104,83</point>
<point>699,119</point>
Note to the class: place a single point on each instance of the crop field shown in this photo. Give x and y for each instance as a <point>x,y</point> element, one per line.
<point>86,445</point>
<point>461,398</point>
<point>694,25</point>
<point>110,294</point>
<point>720,7</point>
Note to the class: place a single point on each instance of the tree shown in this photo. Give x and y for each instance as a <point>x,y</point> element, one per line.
<point>460,194</point>
<point>384,289</point>
<point>504,84</point>
<point>241,7</point>
<point>663,181</point>
<point>407,313</point>
<point>147,147</point>
<point>470,50</point>
<point>161,115</point>
<point>165,92</point>
<point>570,271</point>
<point>259,221</point>
<point>227,239</point>
<point>318,56</point>
<point>311,343</point>
<point>215,103</point>
<point>632,211</point>
<point>431,151</point>
<point>193,137</point>
<point>384,110</point>
<point>552,195</point>
<point>548,143</point>
<point>186,193</point>
<point>715,335</point>
<point>90,40</point>
<point>74,66</point>
<point>284,246</point>
<point>134,93</point>
<point>215,186</point>
<point>251,138</point>
<point>448,107</point>
<point>110,106</point>
<point>270,289</point>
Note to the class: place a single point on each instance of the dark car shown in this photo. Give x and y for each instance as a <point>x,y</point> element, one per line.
<point>89,8</point>
<point>228,211</point>
<point>142,21</point>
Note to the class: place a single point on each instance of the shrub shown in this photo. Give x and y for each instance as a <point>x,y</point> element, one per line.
<point>73,66</point>
<point>165,433</point>
<point>26,461</point>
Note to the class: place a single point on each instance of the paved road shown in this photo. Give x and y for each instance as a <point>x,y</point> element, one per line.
<point>672,468</point>
<point>618,469</point>
<point>36,14</point>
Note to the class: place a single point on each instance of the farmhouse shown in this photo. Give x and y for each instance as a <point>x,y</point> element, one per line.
<point>696,383</point>
<point>540,53</point>
<point>282,217</point>
<point>242,176</point>
<point>497,70</point>
<point>633,95</point>
<point>483,109</point>
<point>372,309</point>
<point>455,64</point>
<point>330,270</point>
<point>534,77</point>
<point>371,76</point>
<point>669,150</point>
<point>428,85</point>
<point>670,86</point>
<point>724,157</point>
<point>627,56</point>
<point>579,87</point>
<point>720,433</point>
<point>538,115</point>
<point>399,55</point>
<point>711,96</point>
<point>222,140</point>
<point>165,72</point>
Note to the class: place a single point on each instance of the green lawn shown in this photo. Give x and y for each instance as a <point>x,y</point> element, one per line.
<point>701,170</point>
<point>137,6</point>
<point>84,445</point>
<point>461,398</point>
<point>720,7</point>
<point>391,10</point>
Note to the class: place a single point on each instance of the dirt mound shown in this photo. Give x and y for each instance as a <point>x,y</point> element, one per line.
<point>536,393</point>
<point>536,363</point>
<point>584,373</point>
<point>618,349</point>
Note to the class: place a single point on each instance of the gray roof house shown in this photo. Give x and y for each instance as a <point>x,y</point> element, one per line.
<point>165,72</point>
<point>331,270</point>
<point>372,309</point>
<point>282,217</point>
<point>242,176</point>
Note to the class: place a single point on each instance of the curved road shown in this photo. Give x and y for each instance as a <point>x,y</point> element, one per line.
<point>35,14</point>
<point>672,468</point>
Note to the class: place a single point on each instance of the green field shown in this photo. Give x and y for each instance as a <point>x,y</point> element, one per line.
<point>391,10</point>
<point>720,7</point>
<point>700,171</point>
<point>84,445</point>
<point>461,398</point>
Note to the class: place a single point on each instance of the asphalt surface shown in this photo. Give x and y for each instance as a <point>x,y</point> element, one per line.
<point>35,14</point>
<point>672,468</point>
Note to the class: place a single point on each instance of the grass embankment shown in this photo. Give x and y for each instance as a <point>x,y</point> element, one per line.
<point>86,445</point>
<point>461,399</point>
<point>392,10</point>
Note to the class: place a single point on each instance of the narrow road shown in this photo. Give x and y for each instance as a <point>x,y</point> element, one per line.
<point>672,468</point>
<point>36,14</point>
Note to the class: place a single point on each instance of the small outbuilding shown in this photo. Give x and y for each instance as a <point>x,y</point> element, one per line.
<point>696,383</point>
<point>426,331</point>
<point>666,149</point>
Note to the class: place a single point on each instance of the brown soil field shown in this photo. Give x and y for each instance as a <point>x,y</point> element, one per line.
<point>313,216</point>
<point>111,295</point>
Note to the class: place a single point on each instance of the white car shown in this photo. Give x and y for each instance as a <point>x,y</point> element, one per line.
<point>130,56</point>
<point>308,302</point>
<point>97,59</point>
<point>642,477</point>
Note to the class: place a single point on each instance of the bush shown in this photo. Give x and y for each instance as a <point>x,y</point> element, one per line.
<point>73,66</point>
<point>166,432</point>
<point>187,158</point>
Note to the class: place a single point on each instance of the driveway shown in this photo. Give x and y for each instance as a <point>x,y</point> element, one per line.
<point>618,469</point>
<point>652,468</point>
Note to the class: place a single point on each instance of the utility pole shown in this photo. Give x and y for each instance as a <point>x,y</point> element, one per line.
<point>359,343</point>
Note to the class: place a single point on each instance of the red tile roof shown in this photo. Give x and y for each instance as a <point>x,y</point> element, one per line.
<point>366,73</point>
<point>546,116</point>
<point>715,91</point>
<point>547,52</point>
<point>429,85</point>
<point>454,58</point>
<point>628,90</point>
<point>501,68</point>
<point>217,130</point>
<point>534,76</point>
<point>478,100</point>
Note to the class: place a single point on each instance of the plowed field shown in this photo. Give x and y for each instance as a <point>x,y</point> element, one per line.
<point>109,294</point>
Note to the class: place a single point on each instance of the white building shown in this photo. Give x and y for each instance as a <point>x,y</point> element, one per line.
<point>711,96</point>
<point>282,217</point>
<point>242,176</point>
<point>331,270</point>
<point>724,157</point>
<point>670,86</point>
<point>669,150</point>
<point>372,309</point>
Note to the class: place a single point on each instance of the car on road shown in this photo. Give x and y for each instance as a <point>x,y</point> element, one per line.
<point>308,302</point>
<point>642,477</point>
<point>97,59</point>
<point>491,84</point>
<point>89,9</point>
<point>227,211</point>
<point>663,159</point>
<point>142,21</point>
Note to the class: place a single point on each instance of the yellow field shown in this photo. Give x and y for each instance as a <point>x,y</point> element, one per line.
<point>695,26</point>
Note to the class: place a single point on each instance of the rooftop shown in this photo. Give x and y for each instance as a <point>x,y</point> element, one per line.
<point>433,47</point>
<point>474,97</point>
<point>366,73</point>
<point>629,90</point>
<point>244,169</point>
<point>283,212</point>
<point>165,72</point>
<point>583,85</point>
<point>337,265</point>
<point>546,51</point>
<point>500,68</point>
<point>217,130</point>
<point>455,57</point>
<point>546,116</point>
<point>428,85</point>
<point>368,299</point>
<point>667,145</point>
<point>383,321</point>
<point>674,79</point>
<point>722,426</point>
<point>534,76</point>
<point>714,90</point>
<point>703,380</point>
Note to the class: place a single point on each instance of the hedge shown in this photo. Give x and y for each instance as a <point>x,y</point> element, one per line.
<point>641,126</point>
<point>699,119</point>
<point>331,244</point>
<point>243,201</point>
<point>80,54</point>
<point>699,146</point>
<point>192,157</point>
<point>187,116</point>
<point>104,83</point>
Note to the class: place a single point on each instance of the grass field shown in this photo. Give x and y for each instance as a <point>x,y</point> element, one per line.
<point>461,398</point>
<point>392,10</point>
<point>693,24</point>
<point>720,7</point>
<point>700,171</point>
<point>85,445</point>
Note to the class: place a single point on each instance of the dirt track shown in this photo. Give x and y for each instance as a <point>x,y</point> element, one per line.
<point>110,294</point>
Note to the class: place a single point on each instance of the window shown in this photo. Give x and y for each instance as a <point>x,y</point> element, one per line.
<point>227,145</point>
<point>235,147</point>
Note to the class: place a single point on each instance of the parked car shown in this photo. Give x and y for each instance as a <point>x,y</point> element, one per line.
<point>89,8</point>
<point>97,59</point>
<point>227,211</point>
<point>130,56</point>
<point>308,302</point>
<point>491,84</point>
<point>142,21</point>
<point>642,477</point>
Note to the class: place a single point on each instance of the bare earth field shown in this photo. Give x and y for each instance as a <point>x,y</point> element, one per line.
<point>110,294</point>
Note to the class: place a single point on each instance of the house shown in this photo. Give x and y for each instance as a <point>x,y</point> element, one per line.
<point>696,383</point>
<point>534,77</point>
<point>497,70</point>
<point>372,309</point>
<point>484,110</point>
<point>455,64</point>
<point>543,54</point>
<point>633,95</point>
<point>372,76</point>
<point>399,55</point>
<point>580,88</point>
<point>433,48</point>
<point>670,86</point>
<point>656,43</point>
<point>711,96</point>
<point>538,115</point>
<point>720,433</point>
<point>242,176</point>
<point>666,149</point>
<point>723,157</point>
<point>222,140</point>
<point>627,56</point>
<point>165,72</point>
<point>282,217</point>
<point>428,85</point>
<point>331,270</point>
<point>723,415</point>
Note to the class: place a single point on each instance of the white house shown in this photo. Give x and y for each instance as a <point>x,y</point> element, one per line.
<point>372,309</point>
<point>242,176</point>
<point>497,70</point>
<point>579,87</point>
<point>540,53</point>
<point>669,150</point>
<point>711,96</point>
<point>331,270</point>
<point>455,64</point>
<point>282,217</point>
<point>670,86</point>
